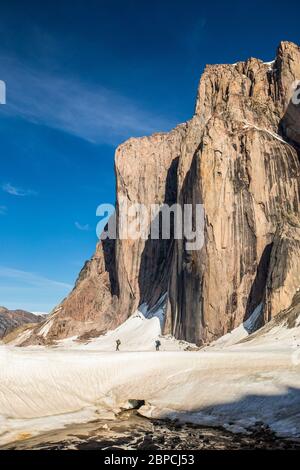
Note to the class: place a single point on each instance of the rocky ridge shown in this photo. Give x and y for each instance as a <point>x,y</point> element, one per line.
<point>12,319</point>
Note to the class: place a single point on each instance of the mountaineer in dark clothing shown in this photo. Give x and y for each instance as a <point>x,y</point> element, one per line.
<point>118,344</point>
<point>157,344</point>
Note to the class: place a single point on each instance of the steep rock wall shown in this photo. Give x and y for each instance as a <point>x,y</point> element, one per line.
<point>247,177</point>
<point>239,157</point>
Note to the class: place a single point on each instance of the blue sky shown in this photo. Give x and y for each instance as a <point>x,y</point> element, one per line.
<point>82,77</point>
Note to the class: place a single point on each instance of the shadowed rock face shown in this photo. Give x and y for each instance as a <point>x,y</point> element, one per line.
<point>124,273</point>
<point>283,280</point>
<point>238,156</point>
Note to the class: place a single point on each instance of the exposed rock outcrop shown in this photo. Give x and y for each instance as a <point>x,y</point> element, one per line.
<point>124,273</point>
<point>11,319</point>
<point>247,177</point>
<point>239,157</point>
<point>284,272</point>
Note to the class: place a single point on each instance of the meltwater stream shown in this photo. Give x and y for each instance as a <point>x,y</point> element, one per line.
<point>131,431</point>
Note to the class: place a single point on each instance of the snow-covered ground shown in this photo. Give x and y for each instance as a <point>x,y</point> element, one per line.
<point>232,385</point>
<point>139,333</point>
<point>239,333</point>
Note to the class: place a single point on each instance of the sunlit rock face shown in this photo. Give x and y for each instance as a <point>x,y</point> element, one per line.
<point>12,319</point>
<point>238,160</point>
<point>239,157</point>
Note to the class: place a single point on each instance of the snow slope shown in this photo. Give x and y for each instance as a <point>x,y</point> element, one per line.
<point>239,333</point>
<point>233,385</point>
<point>138,333</point>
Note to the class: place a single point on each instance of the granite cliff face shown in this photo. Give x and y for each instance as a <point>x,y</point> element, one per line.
<point>239,157</point>
<point>240,162</point>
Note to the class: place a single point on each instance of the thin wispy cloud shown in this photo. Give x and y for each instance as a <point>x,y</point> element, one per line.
<point>15,191</point>
<point>83,228</point>
<point>93,113</point>
<point>3,210</point>
<point>30,279</point>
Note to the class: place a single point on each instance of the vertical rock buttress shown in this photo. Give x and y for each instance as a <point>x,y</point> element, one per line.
<point>239,157</point>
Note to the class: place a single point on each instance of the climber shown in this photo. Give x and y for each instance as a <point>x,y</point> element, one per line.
<point>118,343</point>
<point>157,344</point>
